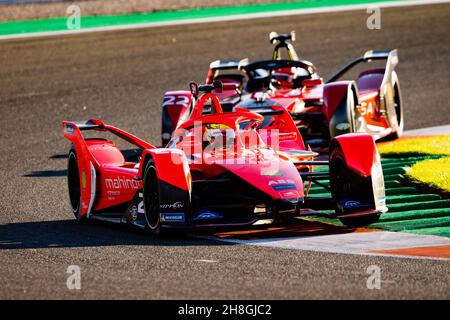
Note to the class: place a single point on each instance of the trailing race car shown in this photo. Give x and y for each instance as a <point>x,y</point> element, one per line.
<point>321,110</point>
<point>218,170</point>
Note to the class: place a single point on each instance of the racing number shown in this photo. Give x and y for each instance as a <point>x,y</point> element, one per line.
<point>177,100</point>
<point>140,208</point>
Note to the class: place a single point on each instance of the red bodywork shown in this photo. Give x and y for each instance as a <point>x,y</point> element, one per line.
<point>317,107</point>
<point>216,169</point>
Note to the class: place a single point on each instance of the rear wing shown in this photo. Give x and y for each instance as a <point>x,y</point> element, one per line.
<point>227,64</point>
<point>391,58</point>
<point>87,164</point>
<point>224,65</point>
<point>72,131</point>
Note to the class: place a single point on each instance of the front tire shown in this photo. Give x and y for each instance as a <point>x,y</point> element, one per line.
<point>151,199</point>
<point>343,186</point>
<point>361,221</point>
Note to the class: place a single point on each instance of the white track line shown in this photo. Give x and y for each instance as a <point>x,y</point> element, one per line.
<point>361,243</point>
<point>430,131</point>
<point>283,13</point>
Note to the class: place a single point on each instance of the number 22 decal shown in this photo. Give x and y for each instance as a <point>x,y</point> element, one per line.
<point>177,100</point>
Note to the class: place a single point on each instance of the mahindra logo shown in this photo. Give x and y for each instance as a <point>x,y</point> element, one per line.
<point>121,183</point>
<point>173,206</point>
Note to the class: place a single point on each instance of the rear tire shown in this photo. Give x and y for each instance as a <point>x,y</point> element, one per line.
<point>73,181</point>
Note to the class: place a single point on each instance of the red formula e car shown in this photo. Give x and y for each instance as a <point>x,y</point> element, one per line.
<point>218,170</point>
<point>321,110</point>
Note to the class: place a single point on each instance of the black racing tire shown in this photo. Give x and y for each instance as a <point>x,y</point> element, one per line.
<point>340,181</point>
<point>151,199</point>
<point>359,221</point>
<point>342,187</point>
<point>74,186</point>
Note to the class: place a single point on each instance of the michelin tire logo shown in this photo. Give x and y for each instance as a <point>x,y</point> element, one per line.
<point>172,217</point>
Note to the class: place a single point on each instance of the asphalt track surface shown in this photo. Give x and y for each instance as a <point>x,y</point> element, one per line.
<point>120,77</point>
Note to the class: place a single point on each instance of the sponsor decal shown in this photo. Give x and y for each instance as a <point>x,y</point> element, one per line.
<point>69,129</point>
<point>163,151</point>
<point>289,194</point>
<point>280,181</point>
<point>121,183</point>
<point>284,187</point>
<point>343,126</point>
<point>351,203</point>
<point>172,217</point>
<point>173,206</point>
<point>272,173</point>
<point>140,208</point>
<point>206,215</point>
<point>83,179</point>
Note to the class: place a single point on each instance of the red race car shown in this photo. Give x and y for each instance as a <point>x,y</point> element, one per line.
<point>321,110</point>
<point>218,170</point>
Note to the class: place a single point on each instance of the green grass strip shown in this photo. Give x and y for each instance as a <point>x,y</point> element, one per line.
<point>401,190</point>
<point>435,231</point>
<point>88,22</point>
<point>414,214</point>
<point>412,224</point>
<point>392,184</point>
<point>401,199</point>
<point>422,205</point>
<point>395,170</point>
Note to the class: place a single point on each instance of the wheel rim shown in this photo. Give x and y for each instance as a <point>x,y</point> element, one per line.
<point>151,199</point>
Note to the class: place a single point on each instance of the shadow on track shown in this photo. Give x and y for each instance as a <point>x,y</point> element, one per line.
<point>59,156</point>
<point>72,233</point>
<point>46,173</point>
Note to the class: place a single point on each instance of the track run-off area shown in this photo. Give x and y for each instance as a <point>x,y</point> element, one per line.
<point>416,225</point>
<point>120,77</point>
